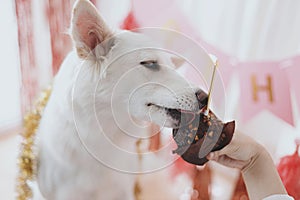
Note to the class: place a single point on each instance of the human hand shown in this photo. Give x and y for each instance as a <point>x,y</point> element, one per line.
<point>239,153</point>
<point>258,170</point>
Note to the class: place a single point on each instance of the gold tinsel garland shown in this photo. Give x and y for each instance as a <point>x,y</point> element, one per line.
<point>27,156</point>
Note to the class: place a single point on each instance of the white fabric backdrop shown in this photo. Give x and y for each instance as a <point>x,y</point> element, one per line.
<point>261,30</point>
<point>10,114</point>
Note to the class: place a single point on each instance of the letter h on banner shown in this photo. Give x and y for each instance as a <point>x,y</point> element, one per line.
<point>264,78</point>
<point>262,88</point>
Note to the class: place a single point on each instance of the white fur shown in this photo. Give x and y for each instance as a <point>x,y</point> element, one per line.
<point>90,100</point>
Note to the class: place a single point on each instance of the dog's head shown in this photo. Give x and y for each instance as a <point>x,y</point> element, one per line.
<point>135,76</point>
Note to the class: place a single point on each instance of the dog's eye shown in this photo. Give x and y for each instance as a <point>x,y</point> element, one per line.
<point>151,64</point>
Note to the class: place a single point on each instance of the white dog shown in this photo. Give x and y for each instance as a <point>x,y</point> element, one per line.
<point>104,92</point>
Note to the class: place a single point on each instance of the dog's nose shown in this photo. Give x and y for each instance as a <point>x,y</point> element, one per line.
<point>202,98</point>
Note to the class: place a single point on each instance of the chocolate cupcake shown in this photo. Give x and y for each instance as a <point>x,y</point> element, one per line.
<point>199,134</point>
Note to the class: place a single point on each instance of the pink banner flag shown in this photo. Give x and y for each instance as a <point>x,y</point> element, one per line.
<point>292,68</point>
<point>264,86</point>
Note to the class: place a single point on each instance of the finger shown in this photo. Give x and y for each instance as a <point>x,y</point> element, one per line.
<point>227,150</point>
<point>229,162</point>
<point>239,148</point>
<point>226,160</point>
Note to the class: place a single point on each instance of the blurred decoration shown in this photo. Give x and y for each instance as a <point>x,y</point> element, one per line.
<point>154,137</point>
<point>292,68</point>
<point>27,162</point>
<point>240,191</point>
<point>27,56</point>
<point>202,183</point>
<point>94,2</point>
<point>180,166</point>
<point>201,176</point>
<point>59,16</point>
<point>130,22</point>
<point>289,171</point>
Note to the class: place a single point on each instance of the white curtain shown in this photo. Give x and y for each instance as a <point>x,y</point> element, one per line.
<point>10,114</point>
<point>249,30</point>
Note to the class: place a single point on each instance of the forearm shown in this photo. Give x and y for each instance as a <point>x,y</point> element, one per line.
<point>261,177</point>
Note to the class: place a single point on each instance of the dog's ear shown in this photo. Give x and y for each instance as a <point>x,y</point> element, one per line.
<point>88,30</point>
